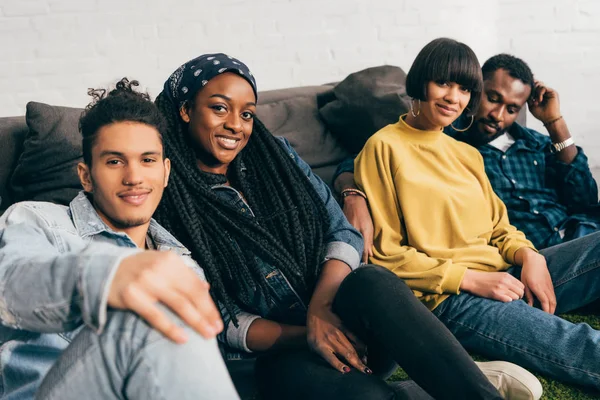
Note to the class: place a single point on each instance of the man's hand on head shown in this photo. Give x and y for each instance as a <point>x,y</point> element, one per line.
<point>145,279</point>
<point>544,103</point>
<point>545,106</point>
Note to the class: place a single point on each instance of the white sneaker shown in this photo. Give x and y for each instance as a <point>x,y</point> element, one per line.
<point>513,382</point>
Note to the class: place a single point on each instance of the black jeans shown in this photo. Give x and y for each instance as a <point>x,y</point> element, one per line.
<point>398,330</point>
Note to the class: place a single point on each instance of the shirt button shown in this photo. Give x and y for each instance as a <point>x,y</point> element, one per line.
<point>513,181</point>
<point>536,212</point>
<point>504,157</point>
<point>534,162</point>
<point>556,229</point>
<point>243,210</point>
<point>521,197</point>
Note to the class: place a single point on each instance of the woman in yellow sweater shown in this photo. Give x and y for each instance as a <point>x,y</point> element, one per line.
<point>439,225</point>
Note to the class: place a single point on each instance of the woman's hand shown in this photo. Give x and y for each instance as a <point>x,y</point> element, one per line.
<point>328,338</point>
<point>500,286</point>
<point>326,334</point>
<point>357,212</point>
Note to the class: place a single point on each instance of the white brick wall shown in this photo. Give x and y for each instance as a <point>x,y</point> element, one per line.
<point>53,50</point>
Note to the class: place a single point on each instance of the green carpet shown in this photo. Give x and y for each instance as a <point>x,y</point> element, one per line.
<point>553,390</point>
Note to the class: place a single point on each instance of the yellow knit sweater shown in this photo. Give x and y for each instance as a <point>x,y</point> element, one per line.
<point>434,211</point>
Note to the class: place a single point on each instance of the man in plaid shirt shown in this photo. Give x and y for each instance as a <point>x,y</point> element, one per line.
<point>545,181</point>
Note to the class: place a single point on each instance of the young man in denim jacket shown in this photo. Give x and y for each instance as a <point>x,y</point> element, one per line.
<point>97,299</point>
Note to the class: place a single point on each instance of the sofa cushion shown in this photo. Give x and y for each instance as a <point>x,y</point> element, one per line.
<point>363,103</point>
<point>293,114</point>
<point>13,131</point>
<point>47,168</point>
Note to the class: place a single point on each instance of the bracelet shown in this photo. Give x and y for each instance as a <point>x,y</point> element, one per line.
<point>353,192</point>
<point>558,147</point>
<point>547,124</point>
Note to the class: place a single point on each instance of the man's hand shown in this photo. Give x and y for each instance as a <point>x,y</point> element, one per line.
<point>145,279</point>
<point>544,103</point>
<point>536,279</point>
<point>328,338</point>
<point>500,286</point>
<point>356,211</point>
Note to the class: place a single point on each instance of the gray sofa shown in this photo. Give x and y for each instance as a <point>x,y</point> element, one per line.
<point>292,113</point>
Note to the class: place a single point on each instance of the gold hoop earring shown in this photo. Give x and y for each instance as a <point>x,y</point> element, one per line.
<point>467,128</point>
<point>412,109</point>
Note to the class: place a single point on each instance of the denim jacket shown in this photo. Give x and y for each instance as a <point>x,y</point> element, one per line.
<point>343,243</point>
<point>56,267</point>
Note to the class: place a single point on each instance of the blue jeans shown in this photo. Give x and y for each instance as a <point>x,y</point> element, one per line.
<point>528,336</point>
<point>130,360</point>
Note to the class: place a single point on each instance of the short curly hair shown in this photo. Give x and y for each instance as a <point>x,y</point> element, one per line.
<point>515,67</point>
<point>122,104</point>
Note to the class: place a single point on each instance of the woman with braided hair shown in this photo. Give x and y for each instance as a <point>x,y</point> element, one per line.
<point>282,260</point>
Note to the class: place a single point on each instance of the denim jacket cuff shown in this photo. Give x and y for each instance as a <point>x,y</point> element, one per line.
<point>236,337</point>
<point>96,273</point>
<point>344,252</point>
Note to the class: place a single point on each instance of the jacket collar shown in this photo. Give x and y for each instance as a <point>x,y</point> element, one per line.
<point>88,223</point>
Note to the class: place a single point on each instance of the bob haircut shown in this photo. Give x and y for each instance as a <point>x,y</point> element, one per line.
<point>446,60</point>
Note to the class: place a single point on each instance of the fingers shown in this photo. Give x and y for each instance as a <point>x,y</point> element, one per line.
<point>190,313</point>
<point>207,308</point>
<point>328,354</point>
<point>154,278</point>
<point>138,301</point>
<point>552,300</point>
<point>343,348</point>
<point>510,287</point>
<point>202,315</point>
<point>359,345</point>
<point>516,287</point>
<point>368,252</point>
<point>367,233</point>
<point>546,297</point>
<point>504,297</point>
<point>544,301</point>
<point>369,245</point>
<point>541,91</point>
<point>529,296</point>
<point>335,347</point>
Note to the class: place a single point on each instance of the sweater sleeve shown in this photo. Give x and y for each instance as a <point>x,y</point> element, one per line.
<point>375,173</point>
<point>504,235</point>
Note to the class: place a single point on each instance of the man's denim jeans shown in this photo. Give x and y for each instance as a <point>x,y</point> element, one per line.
<point>129,360</point>
<point>530,337</point>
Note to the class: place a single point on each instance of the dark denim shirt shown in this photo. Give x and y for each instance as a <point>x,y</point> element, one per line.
<point>344,243</point>
<point>542,194</point>
<point>56,267</point>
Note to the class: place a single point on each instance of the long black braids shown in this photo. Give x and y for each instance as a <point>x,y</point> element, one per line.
<point>287,231</point>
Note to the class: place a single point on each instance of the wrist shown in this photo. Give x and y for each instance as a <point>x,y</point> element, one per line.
<point>351,193</point>
<point>465,284</point>
<point>353,199</point>
<point>524,254</point>
<point>552,120</point>
<point>557,130</point>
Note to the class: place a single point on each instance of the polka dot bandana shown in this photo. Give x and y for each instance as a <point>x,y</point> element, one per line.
<point>184,83</point>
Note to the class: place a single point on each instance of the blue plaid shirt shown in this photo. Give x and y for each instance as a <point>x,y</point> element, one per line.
<point>543,195</point>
